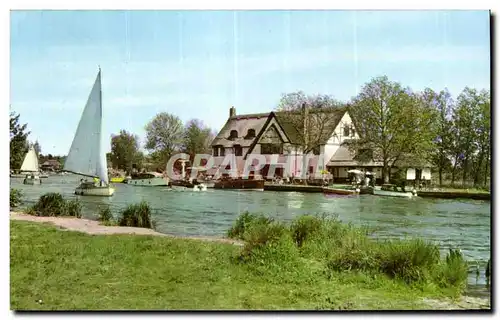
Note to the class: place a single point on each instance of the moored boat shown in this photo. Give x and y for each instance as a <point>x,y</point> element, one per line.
<point>148,179</point>
<point>339,191</point>
<point>240,184</point>
<point>398,194</point>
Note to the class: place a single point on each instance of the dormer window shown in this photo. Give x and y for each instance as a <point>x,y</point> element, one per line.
<point>250,134</point>
<point>233,135</point>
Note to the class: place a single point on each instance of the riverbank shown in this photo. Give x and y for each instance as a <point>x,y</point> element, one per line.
<point>53,269</point>
<point>439,193</point>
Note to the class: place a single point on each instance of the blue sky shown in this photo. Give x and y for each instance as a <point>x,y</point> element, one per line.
<point>196,64</point>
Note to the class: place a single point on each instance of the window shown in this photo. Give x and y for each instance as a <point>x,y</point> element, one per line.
<point>238,151</point>
<point>346,131</point>
<point>271,148</point>
<point>250,134</point>
<point>233,135</point>
<point>353,132</point>
<point>222,152</point>
<point>216,151</point>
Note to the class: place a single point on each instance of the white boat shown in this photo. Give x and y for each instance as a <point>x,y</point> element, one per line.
<point>200,187</point>
<point>397,194</point>
<point>148,179</point>
<point>31,168</point>
<point>86,157</point>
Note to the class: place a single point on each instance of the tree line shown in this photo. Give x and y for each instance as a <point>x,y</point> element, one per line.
<point>166,135</point>
<point>404,128</point>
<point>397,126</point>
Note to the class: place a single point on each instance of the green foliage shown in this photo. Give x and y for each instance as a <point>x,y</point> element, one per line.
<point>453,271</point>
<point>105,214</point>
<point>137,215</point>
<point>197,138</point>
<point>183,274</point>
<point>18,141</point>
<point>244,221</point>
<point>53,205</point>
<point>125,151</point>
<point>164,135</point>
<point>326,245</point>
<point>304,227</point>
<point>389,119</point>
<point>16,197</point>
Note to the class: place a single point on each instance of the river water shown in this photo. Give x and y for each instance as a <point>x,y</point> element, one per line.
<point>463,224</point>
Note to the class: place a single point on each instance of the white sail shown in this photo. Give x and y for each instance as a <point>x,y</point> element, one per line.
<point>86,156</point>
<point>30,162</point>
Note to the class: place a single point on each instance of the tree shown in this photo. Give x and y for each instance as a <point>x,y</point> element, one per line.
<point>313,118</point>
<point>390,121</point>
<point>197,138</point>
<point>124,150</point>
<point>164,135</point>
<point>442,103</point>
<point>18,141</point>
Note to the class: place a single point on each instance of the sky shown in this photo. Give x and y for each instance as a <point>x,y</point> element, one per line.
<point>197,64</point>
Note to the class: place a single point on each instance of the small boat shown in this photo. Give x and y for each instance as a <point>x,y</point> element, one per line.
<point>117,179</point>
<point>148,179</point>
<point>86,156</point>
<point>44,175</point>
<point>240,184</point>
<point>389,190</point>
<point>398,194</point>
<point>30,166</point>
<point>187,185</point>
<point>329,190</point>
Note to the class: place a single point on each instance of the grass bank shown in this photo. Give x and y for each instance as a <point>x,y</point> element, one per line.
<point>281,267</point>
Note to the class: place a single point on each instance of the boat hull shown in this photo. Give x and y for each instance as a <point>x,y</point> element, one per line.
<point>150,182</point>
<point>29,181</point>
<point>106,191</point>
<point>117,180</point>
<point>346,192</point>
<point>395,194</point>
<point>255,185</point>
<point>184,185</point>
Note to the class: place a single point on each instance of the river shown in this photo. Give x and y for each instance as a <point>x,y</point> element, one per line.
<point>463,224</point>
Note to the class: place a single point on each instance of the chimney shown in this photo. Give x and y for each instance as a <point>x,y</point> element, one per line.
<point>232,112</point>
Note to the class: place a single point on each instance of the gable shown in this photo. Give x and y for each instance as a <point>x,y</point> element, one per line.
<point>337,136</point>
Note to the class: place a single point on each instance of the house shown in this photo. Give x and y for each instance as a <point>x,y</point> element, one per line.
<point>275,134</point>
<point>51,165</point>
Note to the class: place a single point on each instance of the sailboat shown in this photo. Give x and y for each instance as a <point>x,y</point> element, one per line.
<point>86,156</point>
<point>30,164</point>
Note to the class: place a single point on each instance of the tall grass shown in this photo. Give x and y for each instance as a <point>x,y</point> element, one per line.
<point>332,246</point>
<point>16,197</point>
<point>54,205</point>
<point>137,215</point>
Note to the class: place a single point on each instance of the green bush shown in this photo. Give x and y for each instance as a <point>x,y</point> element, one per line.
<point>73,208</point>
<point>53,205</point>
<point>304,227</point>
<point>137,215</point>
<point>105,214</point>
<point>453,271</point>
<point>244,221</point>
<point>16,197</point>
<point>330,246</point>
